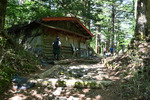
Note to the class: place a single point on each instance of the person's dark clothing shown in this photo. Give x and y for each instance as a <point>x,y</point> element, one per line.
<point>111,50</point>
<point>56,49</point>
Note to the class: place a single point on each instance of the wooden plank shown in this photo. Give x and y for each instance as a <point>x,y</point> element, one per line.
<point>69,32</point>
<point>68,18</point>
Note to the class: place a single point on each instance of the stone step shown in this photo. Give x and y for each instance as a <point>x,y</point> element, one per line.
<point>76,60</point>
<point>75,83</point>
<point>43,79</point>
<point>49,71</point>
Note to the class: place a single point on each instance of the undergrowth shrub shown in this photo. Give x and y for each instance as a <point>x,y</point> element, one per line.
<point>138,87</point>
<point>134,69</point>
<point>14,61</point>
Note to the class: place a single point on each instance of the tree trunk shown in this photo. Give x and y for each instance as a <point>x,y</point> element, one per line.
<point>117,36</point>
<point>112,28</point>
<point>2,23</point>
<point>142,20</point>
<point>99,39</point>
<point>99,44</point>
<point>3,4</point>
<point>96,44</point>
<point>109,38</point>
<point>89,9</point>
<point>117,44</point>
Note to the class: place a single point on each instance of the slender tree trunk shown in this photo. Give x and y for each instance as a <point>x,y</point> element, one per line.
<point>83,11</point>
<point>109,38</point>
<point>118,43</point>
<point>117,37</point>
<point>99,44</point>
<point>3,4</point>
<point>112,28</point>
<point>133,10</point>
<point>99,39</point>
<point>86,9</point>
<point>89,9</point>
<point>148,20</point>
<point>96,44</point>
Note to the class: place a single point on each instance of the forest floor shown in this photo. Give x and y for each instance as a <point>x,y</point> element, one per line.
<point>95,71</point>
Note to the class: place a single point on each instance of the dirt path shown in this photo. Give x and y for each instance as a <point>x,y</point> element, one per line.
<point>83,71</point>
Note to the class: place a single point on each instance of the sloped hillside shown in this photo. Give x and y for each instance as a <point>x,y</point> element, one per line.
<point>14,61</point>
<point>134,69</point>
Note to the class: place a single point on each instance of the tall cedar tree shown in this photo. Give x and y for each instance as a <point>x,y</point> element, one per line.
<point>3,4</point>
<point>142,20</point>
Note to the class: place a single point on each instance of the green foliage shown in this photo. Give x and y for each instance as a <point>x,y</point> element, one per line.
<point>96,13</point>
<point>123,26</point>
<point>15,62</point>
<point>2,42</point>
<point>92,44</point>
<point>26,12</point>
<point>134,71</point>
<point>138,87</point>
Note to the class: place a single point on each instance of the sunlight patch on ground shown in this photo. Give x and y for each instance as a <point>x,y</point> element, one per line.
<point>18,97</point>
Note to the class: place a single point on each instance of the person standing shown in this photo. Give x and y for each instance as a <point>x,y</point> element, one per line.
<point>111,51</point>
<point>104,51</point>
<point>56,48</point>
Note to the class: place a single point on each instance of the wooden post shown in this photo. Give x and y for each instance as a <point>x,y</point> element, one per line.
<point>79,49</point>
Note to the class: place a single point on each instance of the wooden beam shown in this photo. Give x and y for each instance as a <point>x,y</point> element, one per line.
<point>60,29</point>
<point>68,18</point>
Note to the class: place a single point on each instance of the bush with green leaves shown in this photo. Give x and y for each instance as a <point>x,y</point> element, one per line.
<point>14,61</point>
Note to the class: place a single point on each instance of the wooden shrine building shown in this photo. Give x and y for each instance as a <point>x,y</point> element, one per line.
<point>74,36</point>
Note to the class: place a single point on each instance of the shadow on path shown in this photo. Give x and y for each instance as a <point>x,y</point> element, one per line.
<point>94,71</point>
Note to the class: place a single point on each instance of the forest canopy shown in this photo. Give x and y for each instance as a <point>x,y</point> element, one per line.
<point>112,22</point>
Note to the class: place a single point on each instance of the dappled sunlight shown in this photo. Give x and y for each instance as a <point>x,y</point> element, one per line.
<point>18,97</point>
<point>80,81</point>
<point>142,19</point>
<point>102,50</point>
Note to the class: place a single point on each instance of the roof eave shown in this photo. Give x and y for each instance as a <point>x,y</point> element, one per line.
<point>67,18</point>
